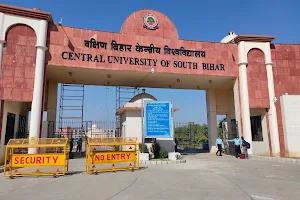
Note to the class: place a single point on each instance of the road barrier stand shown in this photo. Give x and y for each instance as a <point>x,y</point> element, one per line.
<point>112,154</point>
<point>36,157</point>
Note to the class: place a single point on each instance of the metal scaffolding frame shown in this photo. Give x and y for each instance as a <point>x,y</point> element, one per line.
<point>71,103</point>
<point>123,95</point>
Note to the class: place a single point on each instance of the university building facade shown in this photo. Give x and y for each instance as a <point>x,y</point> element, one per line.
<point>246,77</point>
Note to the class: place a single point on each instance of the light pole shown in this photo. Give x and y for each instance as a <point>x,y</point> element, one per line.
<point>106,103</point>
<point>143,121</point>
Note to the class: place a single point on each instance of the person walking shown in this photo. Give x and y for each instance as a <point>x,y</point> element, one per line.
<point>219,144</point>
<point>237,144</point>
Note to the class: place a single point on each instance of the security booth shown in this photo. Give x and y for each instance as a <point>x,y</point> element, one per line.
<point>112,154</point>
<point>36,157</point>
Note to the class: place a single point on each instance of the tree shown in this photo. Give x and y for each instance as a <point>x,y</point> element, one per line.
<point>191,133</point>
<point>221,121</point>
<point>220,130</point>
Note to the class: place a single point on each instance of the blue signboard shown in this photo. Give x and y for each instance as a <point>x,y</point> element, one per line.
<point>157,119</point>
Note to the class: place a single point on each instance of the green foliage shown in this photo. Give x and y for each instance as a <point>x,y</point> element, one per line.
<point>163,153</point>
<point>150,19</point>
<point>220,132</point>
<point>156,149</point>
<point>199,133</point>
<point>220,123</point>
<point>158,152</point>
<point>144,148</point>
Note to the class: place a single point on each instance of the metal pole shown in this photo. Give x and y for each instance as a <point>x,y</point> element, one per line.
<point>194,133</point>
<point>143,128</point>
<point>106,104</point>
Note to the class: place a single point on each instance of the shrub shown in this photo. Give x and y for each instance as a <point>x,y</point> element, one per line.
<point>163,153</point>
<point>156,149</point>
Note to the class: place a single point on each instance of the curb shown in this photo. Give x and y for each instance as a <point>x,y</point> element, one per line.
<point>162,162</point>
<point>288,160</point>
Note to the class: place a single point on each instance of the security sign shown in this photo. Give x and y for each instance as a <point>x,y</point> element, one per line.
<point>27,160</point>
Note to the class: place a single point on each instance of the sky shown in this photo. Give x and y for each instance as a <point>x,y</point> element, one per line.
<point>194,19</point>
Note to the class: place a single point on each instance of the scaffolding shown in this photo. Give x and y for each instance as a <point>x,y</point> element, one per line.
<point>123,95</point>
<point>71,105</point>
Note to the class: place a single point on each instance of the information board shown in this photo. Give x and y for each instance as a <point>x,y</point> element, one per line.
<point>157,119</point>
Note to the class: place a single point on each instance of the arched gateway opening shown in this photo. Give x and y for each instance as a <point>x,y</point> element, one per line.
<point>147,53</point>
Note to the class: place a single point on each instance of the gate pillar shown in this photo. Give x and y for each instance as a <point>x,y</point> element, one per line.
<point>51,107</point>
<point>212,119</point>
<point>38,89</point>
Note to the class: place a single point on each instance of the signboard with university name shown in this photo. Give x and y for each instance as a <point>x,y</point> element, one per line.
<point>150,62</point>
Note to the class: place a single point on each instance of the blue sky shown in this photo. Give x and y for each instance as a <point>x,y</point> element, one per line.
<point>195,20</point>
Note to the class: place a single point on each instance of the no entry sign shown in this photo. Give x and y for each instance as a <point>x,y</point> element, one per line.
<point>114,157</point>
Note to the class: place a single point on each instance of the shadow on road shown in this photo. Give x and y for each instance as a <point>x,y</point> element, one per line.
<point>192,151</point>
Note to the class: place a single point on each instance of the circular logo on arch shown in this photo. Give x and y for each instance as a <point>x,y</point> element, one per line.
<point>150,21</point>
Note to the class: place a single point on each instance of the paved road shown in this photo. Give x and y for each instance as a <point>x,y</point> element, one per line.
<point>203,177</point>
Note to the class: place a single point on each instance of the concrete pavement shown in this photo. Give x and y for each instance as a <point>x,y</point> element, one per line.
<point>203,176</point>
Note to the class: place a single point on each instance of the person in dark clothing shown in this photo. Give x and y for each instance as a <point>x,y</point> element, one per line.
<point>176,145</point>
<point>237,144</point>
<point>71,144</point>
<point>71,155</point>
<point>219,144</point>
<point>79,145</point>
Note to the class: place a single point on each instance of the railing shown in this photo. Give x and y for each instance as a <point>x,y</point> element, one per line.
<point>75,129</point>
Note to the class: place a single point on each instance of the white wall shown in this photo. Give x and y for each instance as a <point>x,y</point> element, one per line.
<point>16,108</point>
<point>290,109</point>
<point>261,147</point>
<point>133,125</point>
<point>123,124</point>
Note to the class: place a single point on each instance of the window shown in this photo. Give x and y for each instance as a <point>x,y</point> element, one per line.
<point>10,127</point>
<point>22,127</point>
<point>256,128</point>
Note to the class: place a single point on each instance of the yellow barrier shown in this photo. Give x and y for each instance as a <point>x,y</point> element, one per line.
<point>42,156</point>
<point>112,154</point>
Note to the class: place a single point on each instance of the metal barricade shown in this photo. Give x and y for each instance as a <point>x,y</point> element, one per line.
<point>36,157</point>
<point>112,154</point>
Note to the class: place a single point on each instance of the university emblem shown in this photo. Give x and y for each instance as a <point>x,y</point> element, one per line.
<point>150,22</point>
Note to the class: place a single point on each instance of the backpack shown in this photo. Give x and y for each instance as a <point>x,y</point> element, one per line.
<point>247,145</point>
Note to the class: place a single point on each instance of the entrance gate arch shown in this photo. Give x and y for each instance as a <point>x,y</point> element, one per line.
<point>147,52</point>
<point>129,59</point>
